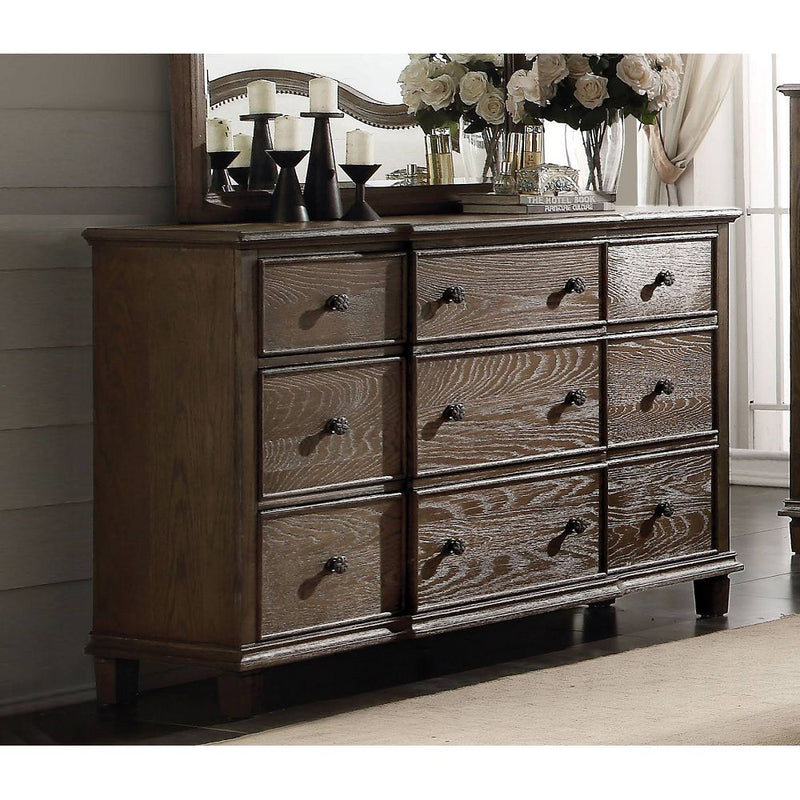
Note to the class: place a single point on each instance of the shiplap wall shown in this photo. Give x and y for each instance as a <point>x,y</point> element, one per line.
<point>84,142</point>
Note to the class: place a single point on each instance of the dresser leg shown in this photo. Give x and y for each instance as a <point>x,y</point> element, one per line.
<point>239,693</point>
<point>603,603</point>
<point>794,534</point>
<point>711,596</point>
<point>116,680</point>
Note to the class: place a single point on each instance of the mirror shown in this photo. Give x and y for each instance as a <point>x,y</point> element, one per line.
<point>215,86</point>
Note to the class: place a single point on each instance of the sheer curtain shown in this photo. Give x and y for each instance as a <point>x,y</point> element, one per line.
<point>683,126</point>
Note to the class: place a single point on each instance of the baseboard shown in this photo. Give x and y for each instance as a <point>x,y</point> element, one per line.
<point>44,701</point>
<point>759,468</point>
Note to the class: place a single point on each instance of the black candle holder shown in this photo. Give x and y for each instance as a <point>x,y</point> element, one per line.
<point>322,186</point>
<point>240,177</point>
<point>219,160</point>
<point>360,211</point>
<point>287,201</point>
<point>263,172</point>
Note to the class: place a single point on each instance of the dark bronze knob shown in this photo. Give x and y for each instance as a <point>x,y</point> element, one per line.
<point>665,278</point>
<point>576,525</point>
<point>338,425</point>
<point>455,412</point>
<point>454,547</point>
<point>454,294</point>
<point>665,509</point>
<point>576,285</point>
<point>665,386</point>
<point>336,564</point>
<point>575,397</point>
<point>338,302</point>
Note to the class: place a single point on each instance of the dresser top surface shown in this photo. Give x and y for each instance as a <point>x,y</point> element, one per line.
<point>407,228</point>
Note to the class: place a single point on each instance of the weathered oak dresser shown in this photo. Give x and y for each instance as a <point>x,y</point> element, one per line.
<point>311,438</point>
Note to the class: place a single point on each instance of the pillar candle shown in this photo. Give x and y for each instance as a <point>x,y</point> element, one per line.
<point>242,142</point>
<point>262,97</point>
<point>288,133</point>
<point>323,95</point>
<point>218,135</point>
<point>360,147</point>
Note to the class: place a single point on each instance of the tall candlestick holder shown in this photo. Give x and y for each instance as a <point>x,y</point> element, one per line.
<point>287,201</point>
<point>263,172</point>
<point>240,177</point>
<point>219,160</point>
<point>360,211</point>
<point>321,193</point>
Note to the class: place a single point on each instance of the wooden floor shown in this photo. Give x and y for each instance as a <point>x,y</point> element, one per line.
<point>768,588</point>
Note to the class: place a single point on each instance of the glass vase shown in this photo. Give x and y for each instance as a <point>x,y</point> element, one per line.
<point>597,155</point>
<point>481,154</point>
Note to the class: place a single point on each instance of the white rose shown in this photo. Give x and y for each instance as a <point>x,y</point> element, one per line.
<point>438,92</point>
<point>578,65</point>
<point>414,74</point>
<point>525,85</point>
<point>455,70</point>
<point>460,58</point>
<point>473,86</point>
<point>418,56</point>
<point>412,97</point>
<point>668,88</point>
<point>491,107</point>
<point>492,58</point>
<point>591,90</point>
<point>516,107</point>
<point>671,60</point>
<point>552,68</point>
<point>635,70</point>
<point>435,69</point>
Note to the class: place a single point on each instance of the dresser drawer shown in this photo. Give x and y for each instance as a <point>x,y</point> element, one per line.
<point>659,509</point>
<point>505,538</point>
<point>331,425</point>
<point>515,289</point>
<point>659,386</point>
<point>331,302</point>
<point>331,562</point>
<point>659,279</point>
<point>501,406</point>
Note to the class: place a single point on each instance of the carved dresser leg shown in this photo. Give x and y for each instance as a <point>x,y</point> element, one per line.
<point>116,680</point>
<point>711,596</point>
<point>239,693</point>
<point>794,534</point>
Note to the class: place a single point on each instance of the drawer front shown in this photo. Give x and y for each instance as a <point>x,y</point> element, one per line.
<point>660,279</point>
<point>659,509</point>
<point>302,549</point>
<point>659,387</point>
<point>327,303</point>
<point>514,406</point>
<point>505,291</point>
<point>514,536</point>
<point>331,425</point>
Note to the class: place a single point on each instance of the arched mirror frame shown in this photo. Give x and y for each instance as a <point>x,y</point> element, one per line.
<point>194,204</point>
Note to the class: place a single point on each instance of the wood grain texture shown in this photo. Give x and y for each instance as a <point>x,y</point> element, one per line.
<point>295,292</point>
<point>635,411</point>
<point>636,534</point>
<point>514,404</point>
<point>632,271</point>
<point>296,406</point>
<point>514,535</point>
<point>515,289</point>
<point>297,590</point>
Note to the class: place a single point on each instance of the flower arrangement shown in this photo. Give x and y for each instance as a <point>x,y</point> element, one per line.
<point>441,89</point>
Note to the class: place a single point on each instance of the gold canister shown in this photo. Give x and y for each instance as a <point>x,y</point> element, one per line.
<point>533,153</point>
<point>439,157</point>
<point>515,148</point>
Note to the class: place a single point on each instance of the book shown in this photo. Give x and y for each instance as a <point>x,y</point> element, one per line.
<point>532,199</point>
<point>537,208</point>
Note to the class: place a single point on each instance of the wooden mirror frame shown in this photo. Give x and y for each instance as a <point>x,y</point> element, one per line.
<point>192,202</point>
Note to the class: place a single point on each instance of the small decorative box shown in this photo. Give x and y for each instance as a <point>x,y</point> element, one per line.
<point>547,179</point>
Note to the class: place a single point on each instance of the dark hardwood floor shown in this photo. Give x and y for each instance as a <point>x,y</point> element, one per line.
<point>768,588</point>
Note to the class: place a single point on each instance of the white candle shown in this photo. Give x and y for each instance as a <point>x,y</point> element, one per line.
<point>218,135</point>
<point>262,97</point>
<point>288,133</point>
<point>323,95</point>
<point>360,147</point>
<point>242,142</point>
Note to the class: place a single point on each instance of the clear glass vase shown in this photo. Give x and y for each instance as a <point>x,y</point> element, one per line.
<point>597,155</point>
<point>481,154</point>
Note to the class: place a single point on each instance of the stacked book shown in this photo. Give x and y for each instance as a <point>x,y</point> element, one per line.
<point>533,203</point>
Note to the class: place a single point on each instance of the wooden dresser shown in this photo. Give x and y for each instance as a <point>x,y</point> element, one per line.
<point>312,438</point>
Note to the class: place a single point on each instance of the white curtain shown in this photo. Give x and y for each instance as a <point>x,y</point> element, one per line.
<point>683,126</point>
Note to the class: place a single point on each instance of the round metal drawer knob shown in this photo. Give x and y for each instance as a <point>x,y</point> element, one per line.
<point>454,294</point>
<point>336,565</point>
<point>454,412</point>
<point>576,284</point>
<point>575,397</point>
<point>665,386</point>
<point>665,278</point>
<point>576,525</point>
<point>665,509</point>
<point>338,302</point>
<point>338,425</point>
<point>454,547</point>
